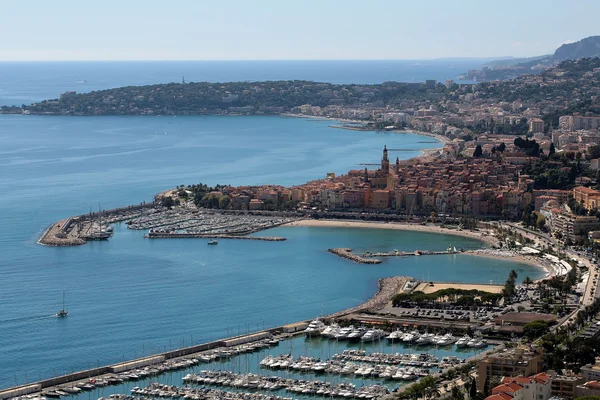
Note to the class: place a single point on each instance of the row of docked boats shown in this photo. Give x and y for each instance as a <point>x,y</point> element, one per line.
<point>341,367</point>
<point>118,378</point>
<point>359,334</point>
<point>273,383</point>
<point>158,390</point>
<point>350,333</point>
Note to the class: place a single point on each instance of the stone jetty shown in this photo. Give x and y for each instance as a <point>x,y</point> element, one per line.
<point>388,288</point>
<point>176,235</point>
<point>347,254</point>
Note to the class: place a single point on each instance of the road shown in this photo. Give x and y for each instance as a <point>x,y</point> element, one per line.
<point>592,285</point>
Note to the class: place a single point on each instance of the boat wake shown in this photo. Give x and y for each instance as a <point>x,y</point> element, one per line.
<point>27,319</point>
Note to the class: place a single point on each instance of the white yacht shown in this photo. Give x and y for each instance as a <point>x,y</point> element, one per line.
<point>372,335</point>
<point>411,337</point>
<point>463,341</point>
<point>330,331</point>
<point>445,340</point>
<point>356,334</point>
<point>395,336</point>
<point>477,343</point>
<point>425,338</point>
<point>343,333</point>
<point>315,328</point>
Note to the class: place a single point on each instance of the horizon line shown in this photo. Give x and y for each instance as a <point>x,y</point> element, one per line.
<point>271,59</point>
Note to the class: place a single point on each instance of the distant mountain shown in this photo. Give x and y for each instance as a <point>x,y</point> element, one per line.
<point>512,68</point>
<point>588,47</point>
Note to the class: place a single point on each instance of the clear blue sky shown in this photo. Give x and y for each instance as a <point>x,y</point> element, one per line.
<point>289,29</point>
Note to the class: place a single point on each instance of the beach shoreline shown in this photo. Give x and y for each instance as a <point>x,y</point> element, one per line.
<point>443,139</point>
<point>482,236</point>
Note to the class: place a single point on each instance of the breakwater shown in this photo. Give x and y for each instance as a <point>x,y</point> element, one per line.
<point>369,257</point>
<point>176,235</point>
<point>78,230</point>
<point>348,255</point>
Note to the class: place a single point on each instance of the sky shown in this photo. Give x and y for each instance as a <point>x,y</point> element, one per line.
<point>289,29</point>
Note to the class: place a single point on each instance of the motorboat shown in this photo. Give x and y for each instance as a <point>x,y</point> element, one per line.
<point>477,343</point>
<point>331,331</point>
<point>372,335</point>
<point>463,341</point>
<point>425,339</point>
<point>213,242</point>
<point>343,333</point>
<point>395,336</point>
<point>315,328</point>
<point>411,337</point>
<point>356,334</point>
<point>445,340</point>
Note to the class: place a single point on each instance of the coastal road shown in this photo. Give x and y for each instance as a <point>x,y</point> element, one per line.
<point>592,285</point>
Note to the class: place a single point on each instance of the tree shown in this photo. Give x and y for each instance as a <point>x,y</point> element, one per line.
<point>501,147</point>
<point>527,281</point>
<point>478,151</point>
<point>541,221</point>
<point>473,389</point>
<point>552,150</point>
<point>535,329</point>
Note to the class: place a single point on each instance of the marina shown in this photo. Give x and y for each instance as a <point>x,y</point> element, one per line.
<point>273,363</point>
<point>161,222</point>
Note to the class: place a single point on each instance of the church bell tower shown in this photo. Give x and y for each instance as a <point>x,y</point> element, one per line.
<point>385,162</point>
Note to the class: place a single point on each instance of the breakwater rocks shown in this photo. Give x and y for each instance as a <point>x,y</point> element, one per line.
<point>388,288</point>
<point>176,235</point>
<point>347,254</point>
<point>78,230</point>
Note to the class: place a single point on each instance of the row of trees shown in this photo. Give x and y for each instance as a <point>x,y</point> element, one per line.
<point>457,296</point>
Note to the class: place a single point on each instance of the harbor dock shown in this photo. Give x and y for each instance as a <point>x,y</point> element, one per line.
<point>176,235</point>
<point>369,258</point>
<point>348,255</point>
<point>162,222</point>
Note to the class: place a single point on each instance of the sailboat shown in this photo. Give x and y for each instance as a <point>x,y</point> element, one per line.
<point>63,313</point>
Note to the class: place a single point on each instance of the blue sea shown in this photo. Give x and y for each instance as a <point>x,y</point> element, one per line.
<point>129,296</point>
<point>27,82</point>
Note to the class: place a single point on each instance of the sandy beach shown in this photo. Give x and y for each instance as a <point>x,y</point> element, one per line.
<point>481,235</point>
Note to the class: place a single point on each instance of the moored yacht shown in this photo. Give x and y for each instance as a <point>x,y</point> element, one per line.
<point>395,336</point>
<point>463,341</point>
<point>315,328</point>
<point>330,331</point>
<point>445,340</point>
<point>343,333</point>
<point>411,337</point>
<point>477,343</point>
<point>356,334</point>
<point>372,335</point>
<point>425,338</point>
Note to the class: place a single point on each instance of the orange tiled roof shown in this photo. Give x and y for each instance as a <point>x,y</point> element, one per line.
<point>499,396</point>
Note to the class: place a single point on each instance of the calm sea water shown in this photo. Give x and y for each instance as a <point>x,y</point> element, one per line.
<point>27,82</point>
<point>130,296</point>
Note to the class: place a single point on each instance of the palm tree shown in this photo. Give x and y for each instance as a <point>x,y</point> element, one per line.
<point>527,281</point>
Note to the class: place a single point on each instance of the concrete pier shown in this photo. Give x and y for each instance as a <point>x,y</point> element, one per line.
<point>167,235</point>
<point>368,257</point>
<point>347,254</point>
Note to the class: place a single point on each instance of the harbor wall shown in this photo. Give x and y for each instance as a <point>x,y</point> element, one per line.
<point>36,387</point>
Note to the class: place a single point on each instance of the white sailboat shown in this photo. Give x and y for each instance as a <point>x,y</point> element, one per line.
<point>63,312</point>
